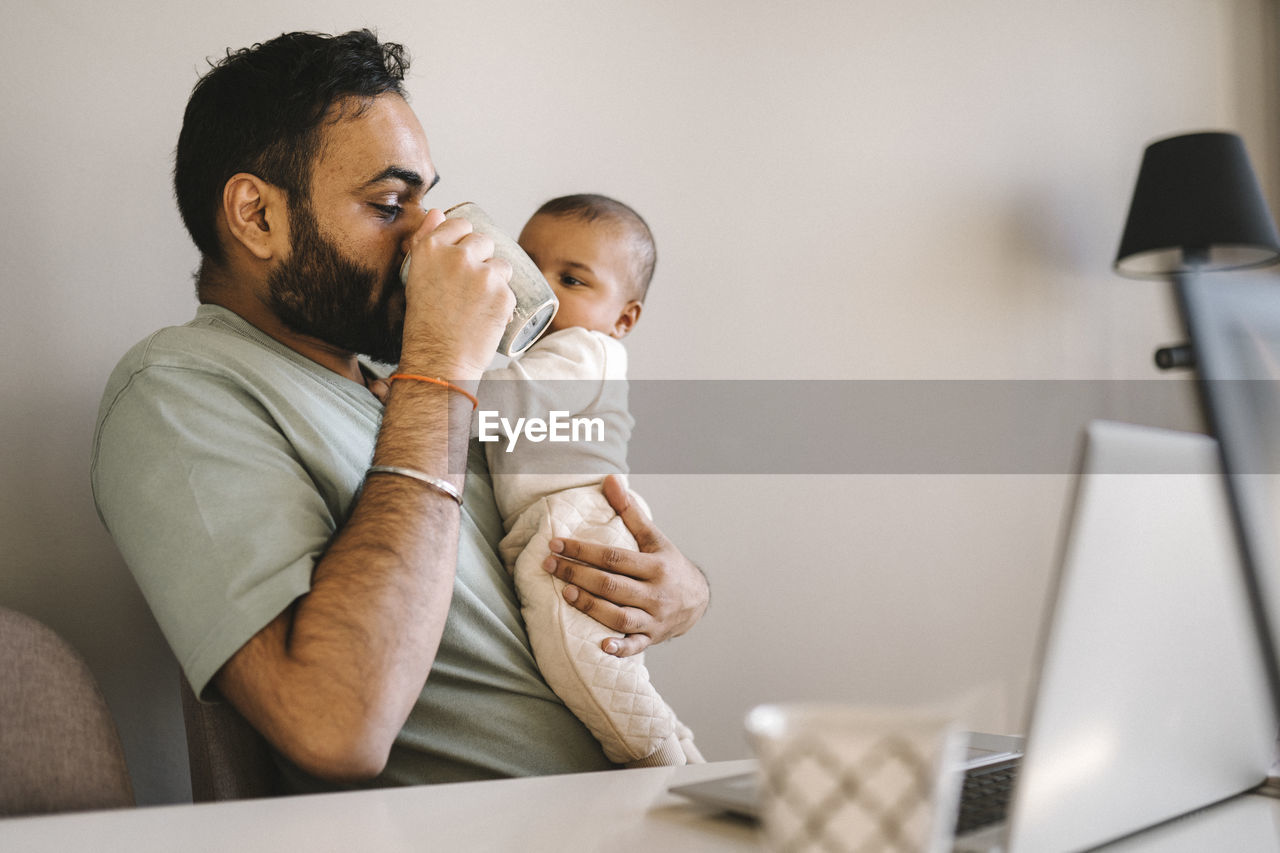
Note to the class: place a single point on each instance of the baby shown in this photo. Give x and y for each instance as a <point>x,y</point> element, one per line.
<point>598,255</point>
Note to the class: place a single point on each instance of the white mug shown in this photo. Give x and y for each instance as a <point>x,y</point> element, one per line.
<point>536,303</point>
<point>844,778</point>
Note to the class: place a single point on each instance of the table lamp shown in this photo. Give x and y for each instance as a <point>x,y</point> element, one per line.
<point>1196,207</point>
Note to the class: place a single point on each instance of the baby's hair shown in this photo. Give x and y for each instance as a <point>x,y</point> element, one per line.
<point>590,207</point>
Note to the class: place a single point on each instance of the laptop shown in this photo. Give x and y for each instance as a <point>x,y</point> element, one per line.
<point>1151,697</point>
<point>1234,325</point>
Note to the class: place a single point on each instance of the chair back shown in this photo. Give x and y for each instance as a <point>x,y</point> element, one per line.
<point>59,746</point>
<point>229,759</point>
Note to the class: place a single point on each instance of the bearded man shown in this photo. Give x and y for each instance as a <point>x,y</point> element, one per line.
<point>318,543</point>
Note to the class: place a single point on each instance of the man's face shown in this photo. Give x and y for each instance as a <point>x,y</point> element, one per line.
<point>340,283</point>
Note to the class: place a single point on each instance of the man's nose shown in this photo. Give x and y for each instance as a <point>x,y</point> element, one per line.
<point>411,221</point>
<point>413,216</point>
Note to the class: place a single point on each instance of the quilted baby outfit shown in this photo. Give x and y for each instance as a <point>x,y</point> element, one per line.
<point>548,488</point>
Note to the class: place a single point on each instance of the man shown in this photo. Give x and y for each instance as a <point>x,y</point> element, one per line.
<point>311,553</point>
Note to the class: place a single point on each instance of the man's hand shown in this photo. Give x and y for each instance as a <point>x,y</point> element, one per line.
<point>650,596</point>
<point>457,299</point>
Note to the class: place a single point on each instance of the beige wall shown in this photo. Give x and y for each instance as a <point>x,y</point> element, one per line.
<point>844,190</point>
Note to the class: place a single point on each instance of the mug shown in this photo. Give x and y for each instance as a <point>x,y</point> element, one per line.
<point>845,778</point>
<point>536,303</point>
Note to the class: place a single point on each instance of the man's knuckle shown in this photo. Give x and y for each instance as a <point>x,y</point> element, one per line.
<point>497,277</point>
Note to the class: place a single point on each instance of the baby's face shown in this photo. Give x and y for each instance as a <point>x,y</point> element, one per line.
<point>589,266</point>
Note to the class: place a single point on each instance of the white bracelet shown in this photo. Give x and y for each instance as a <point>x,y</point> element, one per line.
<point>434,482</point>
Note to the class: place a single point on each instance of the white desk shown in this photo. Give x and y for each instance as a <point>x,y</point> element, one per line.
<point>627,811</point>
<point>620,810</point>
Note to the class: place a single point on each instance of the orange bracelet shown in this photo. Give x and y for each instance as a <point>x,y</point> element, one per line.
<point>475,404</point>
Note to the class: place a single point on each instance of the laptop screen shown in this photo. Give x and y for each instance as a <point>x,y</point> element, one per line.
<point>1233,319</point>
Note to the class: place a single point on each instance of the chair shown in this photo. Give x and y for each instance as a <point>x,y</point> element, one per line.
<point>229,759</point>
<point>59,747</point>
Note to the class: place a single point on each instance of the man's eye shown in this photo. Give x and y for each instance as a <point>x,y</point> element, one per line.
<point>388,212</point>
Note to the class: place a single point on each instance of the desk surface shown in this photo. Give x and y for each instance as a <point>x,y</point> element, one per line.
<point>621,810</point>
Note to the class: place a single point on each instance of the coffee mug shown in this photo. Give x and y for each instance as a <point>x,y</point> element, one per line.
<point>536,303</point>
<point>845,778</point>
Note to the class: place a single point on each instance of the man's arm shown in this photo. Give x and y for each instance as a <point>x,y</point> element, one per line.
<point>331,680</point>
<point>651,595</point>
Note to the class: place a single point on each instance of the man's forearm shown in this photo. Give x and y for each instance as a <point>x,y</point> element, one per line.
<point>332,679</point>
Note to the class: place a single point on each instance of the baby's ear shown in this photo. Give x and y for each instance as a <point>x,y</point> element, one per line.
<point>627,319</point>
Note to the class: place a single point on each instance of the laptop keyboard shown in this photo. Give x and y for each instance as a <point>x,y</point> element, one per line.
<point>985,797</point>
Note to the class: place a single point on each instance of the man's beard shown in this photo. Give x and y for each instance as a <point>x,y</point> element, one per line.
<point>320,293</point>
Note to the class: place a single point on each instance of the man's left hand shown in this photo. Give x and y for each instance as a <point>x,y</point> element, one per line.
<point>650,595</point>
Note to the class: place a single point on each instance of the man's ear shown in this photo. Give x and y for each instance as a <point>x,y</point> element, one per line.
<point>256,215</point>
<point>629,317</point>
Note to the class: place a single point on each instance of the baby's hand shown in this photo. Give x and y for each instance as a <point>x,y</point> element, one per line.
<point>379,389</point>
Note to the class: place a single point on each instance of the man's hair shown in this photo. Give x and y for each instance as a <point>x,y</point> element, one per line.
<point>590,207</point>
<point>262,109</point>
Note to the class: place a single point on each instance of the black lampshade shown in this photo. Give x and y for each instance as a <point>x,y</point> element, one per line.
<point>1197,205</point>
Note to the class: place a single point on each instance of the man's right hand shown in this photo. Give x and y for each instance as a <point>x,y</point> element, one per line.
<point>457,300</point>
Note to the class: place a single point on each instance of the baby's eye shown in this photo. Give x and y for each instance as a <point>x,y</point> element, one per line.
<point>389,212</point>
<point>570,281</point>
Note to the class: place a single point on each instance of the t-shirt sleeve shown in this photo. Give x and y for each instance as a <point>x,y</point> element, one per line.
<point>564,370</point>
<point>215,515</point>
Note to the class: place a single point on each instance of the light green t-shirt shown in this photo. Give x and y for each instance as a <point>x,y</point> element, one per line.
<point>224,462</point>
